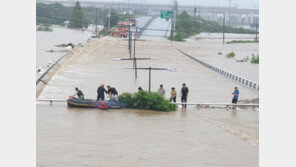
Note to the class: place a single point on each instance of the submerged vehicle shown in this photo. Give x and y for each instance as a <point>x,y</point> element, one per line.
<point>89,103</point>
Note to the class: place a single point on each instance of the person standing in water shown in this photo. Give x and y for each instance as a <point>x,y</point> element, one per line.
<point>235,95</point>
<point>173,95</point>
<point>101,90</point>
<point>161,91</point>
<point>184,95</point>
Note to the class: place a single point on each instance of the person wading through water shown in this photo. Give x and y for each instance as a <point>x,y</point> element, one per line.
<point>101,90</point>
<point>184,95</point>
<point>173,95</point>
<point>161,91</point>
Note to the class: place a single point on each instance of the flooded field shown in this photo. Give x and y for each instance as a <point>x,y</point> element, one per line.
<point>90,137</point>
<point>47,41</point>
<point>206,46</point>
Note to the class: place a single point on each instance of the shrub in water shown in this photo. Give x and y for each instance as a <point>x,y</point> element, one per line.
<point>127,98</point>
<point>255,59</point>
<point>230,55</point>
<point>147,100</point>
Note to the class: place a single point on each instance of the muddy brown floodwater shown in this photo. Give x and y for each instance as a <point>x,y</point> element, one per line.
<point>90,137</point>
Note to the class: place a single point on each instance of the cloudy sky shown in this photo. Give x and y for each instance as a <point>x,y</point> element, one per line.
<point>247,4</point>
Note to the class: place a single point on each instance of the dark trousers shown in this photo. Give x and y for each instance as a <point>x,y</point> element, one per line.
<point>100,97</point>
<point>184,100</point>
<point>174,99</point>
<point>234,100</point>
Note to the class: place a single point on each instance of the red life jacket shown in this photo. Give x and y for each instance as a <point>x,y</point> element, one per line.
<point>103,106</point>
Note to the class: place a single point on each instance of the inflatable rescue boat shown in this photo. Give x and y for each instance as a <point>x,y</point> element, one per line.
<point>89,103</point>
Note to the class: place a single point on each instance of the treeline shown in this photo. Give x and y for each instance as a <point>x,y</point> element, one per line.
<point>57,14</point>
<point>187,26</point>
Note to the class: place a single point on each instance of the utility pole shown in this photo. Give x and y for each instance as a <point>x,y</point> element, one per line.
<point>173,20</point>
<point>257,25</point>
<point>149,79</point>
<point>129,40</point>
<point>109,17</point>
<point>96,28</point>
<point>172,27</point>
<point>229,13</point>
<point>135,60</point>
<point>176,14</point>
<point>223,27</point>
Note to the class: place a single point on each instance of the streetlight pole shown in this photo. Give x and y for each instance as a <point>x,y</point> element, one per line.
<point>149,69</point>
<point>109,17</point>
<point>96,28</point>
<point>149,78</point>
<point>129,40</point>
<point>135,60</point>
<point>223,27</point>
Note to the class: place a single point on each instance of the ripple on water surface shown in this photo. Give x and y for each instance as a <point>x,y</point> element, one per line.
<point>90,137</point>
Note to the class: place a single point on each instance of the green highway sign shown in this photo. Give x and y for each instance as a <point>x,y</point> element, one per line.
<point>166,14</point>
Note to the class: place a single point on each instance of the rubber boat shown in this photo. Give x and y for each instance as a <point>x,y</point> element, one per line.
<point>89,103</point>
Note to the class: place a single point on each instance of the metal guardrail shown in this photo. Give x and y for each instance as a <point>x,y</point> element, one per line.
<point>213,105</point>
<point>249,84</point>
<point>47,70</point>
<point>142,29</point>
<point>198,105</point>
<point>51,100</point>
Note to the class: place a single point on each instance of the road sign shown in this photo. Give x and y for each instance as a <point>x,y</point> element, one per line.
<point>166,14</point>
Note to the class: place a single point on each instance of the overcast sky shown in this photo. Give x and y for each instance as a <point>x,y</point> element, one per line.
<point>247,4</point>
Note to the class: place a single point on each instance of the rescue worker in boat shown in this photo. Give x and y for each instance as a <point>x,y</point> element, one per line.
<point>79,94</point>
<point>112,92</point>
<point>101,90</point>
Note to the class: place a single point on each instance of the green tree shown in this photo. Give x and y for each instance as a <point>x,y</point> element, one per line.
<point>76,17</point>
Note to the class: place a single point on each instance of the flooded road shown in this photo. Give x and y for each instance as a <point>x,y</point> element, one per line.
<point>95,65</point>
<point>90,137</point>
<point>157,29</point>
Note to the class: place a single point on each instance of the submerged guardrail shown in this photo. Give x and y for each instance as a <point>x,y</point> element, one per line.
<point>48,69</point>
<point>248,83</point>
<point>198,105</point>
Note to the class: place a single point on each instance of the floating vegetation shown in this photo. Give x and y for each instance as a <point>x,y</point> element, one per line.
<point>230,55</point>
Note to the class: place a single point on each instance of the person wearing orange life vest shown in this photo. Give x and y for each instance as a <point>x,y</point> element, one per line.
<point>101,90</point>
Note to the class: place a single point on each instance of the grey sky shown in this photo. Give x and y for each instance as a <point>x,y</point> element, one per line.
<point>247,4</point>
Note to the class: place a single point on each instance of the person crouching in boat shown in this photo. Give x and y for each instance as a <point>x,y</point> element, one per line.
<point>101,90</point>
<point>112,93</point>
<point>79,94</point>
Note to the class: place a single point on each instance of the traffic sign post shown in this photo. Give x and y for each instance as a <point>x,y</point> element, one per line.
<point>166,14</point>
